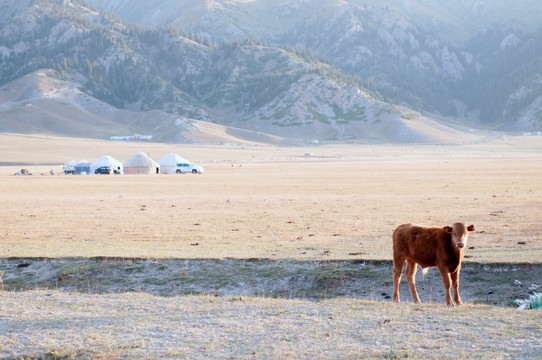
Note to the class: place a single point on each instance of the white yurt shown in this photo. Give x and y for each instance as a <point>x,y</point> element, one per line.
<point>82,168</point>
<point>69,166</point>
<point>107,160</point>
<point>140,163</point>
<point>168,164</point>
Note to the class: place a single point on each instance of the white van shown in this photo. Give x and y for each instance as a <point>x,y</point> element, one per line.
<point>182,168</point>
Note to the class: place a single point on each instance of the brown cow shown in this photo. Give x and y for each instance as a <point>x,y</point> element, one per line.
<point>428,247</point>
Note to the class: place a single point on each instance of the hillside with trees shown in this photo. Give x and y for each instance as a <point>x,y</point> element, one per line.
<point>355,73</point>
<point>475,61</point>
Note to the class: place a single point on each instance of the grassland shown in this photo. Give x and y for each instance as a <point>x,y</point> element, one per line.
<point>277,203</point>
<point>63,325</point>
<point>306,227</point>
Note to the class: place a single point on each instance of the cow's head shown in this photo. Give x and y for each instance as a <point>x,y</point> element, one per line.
<point>460,233</point>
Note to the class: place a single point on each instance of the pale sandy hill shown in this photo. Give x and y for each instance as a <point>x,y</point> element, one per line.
<point>438,133</point>
<point>39,103</point>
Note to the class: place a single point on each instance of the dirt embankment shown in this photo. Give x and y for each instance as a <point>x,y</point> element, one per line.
<point>496,284</point>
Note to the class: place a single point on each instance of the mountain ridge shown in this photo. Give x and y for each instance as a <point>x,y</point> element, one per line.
<point>422,53</point>
<point>291,93</point>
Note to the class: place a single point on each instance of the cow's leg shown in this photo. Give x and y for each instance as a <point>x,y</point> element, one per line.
<point>397,272</point>
<point>455,284</point>
<point>446,280</point>
<point>410,274</point>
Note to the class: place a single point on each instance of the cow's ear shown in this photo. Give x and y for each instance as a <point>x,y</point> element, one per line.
<point>448,229</point>
<point>471,228</point>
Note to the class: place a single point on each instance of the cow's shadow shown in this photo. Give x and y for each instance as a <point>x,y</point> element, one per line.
<point>291,279</point>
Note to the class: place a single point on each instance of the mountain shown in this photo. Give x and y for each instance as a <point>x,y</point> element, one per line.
<point>85,72</point>
<point>452,22</point>
<point>342,71</point>
<point>479,61</point>
<point>42,103</point>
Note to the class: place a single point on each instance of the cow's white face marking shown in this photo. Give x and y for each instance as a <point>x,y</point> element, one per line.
<point>463,242</point>
<point>460,235</point>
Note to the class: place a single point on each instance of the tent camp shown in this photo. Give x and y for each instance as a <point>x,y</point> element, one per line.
<point>168,164</point>
<point>141,164</point>
<point>107,160</point>
<point>83,167</point>
<point>69,166</point>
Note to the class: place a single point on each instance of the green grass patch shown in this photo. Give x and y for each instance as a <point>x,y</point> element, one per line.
<point>409,116</point>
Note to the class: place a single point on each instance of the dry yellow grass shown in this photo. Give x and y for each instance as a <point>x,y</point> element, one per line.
<point>259,201</point>
<point>140,326</point>
<point>262,202</point>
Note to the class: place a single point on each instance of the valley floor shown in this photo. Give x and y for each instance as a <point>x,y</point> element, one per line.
<point>272,253</point>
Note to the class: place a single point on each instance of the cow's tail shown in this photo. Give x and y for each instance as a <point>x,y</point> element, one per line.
<point>424,272</point>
